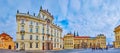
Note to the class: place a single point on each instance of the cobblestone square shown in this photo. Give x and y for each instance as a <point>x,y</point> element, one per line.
<point>65,51</point>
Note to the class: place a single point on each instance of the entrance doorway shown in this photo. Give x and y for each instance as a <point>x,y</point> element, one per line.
<point>9,47</point>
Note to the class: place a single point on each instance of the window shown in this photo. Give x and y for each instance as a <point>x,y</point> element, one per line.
<point>30,37</point>
<point>57,40</point>
<point>36,45</point>
<point>54,32</point>
<point>22,27</point>
<point>31,30</point>
<point>47,29</point>
<point>43,38</point>
<point>43,30</point>
<point>51,38</point>
<point>16,45</point>
<point>22,21</point>
<point>54,45</point>
<point>57,33</point>
<point>51,31</point>
<point>36,30</point>
<point>30,45</point>
<point>36,37</point>
<point>31,22</point>
<point>36,24</point>
<point>22,37</point>
<point>43,16</point>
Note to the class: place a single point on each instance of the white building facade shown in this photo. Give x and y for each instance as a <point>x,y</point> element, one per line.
<point>37,32</point>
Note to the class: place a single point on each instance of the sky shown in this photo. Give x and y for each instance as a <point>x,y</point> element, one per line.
<point>87,17</point>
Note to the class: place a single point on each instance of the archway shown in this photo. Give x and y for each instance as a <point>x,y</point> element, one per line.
<point>9,47</point>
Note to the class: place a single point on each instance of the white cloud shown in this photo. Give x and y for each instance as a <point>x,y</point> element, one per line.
<point>64,6</point>
<point>93,23</point>
<point>92,16</point>
<point>75,5</point>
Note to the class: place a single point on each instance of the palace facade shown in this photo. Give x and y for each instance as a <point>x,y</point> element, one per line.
<point>37,32</point>
<point>6,42</point>
<point>75,42</point>
<point>116,43</point>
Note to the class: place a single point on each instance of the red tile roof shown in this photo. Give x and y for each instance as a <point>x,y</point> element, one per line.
<point>5,34</point>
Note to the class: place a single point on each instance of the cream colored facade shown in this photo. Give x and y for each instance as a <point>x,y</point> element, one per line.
<point>116,43</point>
<point>68,41</point>
<point>37,32</point>
<point>76,42</point>
<point>101,41</point>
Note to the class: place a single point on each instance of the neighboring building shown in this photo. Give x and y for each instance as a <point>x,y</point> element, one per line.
<point>116,43</point>
<point>75,42</point>
<point>68,41</point>
<point>101,41</point>
<point>6,42</point>
<point>37,32</point>
<point>81,42</point>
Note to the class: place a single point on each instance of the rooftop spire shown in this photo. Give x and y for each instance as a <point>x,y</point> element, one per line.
<point>40,7</point>
<point>74,34</point>
<point>77,34</point>
<point>28,12</point>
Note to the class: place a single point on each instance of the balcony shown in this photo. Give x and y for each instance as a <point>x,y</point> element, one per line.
<point>22,32</point>
<point>22,23</point>
<point>48,35</point>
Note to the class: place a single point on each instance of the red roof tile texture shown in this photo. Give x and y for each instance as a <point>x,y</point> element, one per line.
<point>5,34</point>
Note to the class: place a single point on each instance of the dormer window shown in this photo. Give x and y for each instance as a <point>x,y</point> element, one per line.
<point>48,20</point>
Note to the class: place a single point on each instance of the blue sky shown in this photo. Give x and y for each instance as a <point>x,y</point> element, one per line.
<point>88,17</point>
